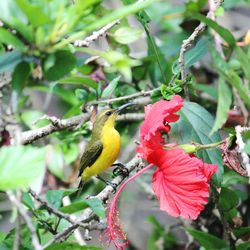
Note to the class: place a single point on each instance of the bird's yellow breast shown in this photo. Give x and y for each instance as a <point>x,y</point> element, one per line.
<point>111,149</point>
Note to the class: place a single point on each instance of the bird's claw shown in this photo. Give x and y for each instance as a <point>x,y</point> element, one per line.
<point>120,170</point>
<point>114,186</point>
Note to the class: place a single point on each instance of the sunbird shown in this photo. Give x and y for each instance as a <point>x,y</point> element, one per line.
<point>104,146</point>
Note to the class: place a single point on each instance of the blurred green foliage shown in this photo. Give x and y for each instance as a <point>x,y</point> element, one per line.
<point>37,48</point>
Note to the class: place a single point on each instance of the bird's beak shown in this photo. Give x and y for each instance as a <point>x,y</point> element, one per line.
<point>120,109</point>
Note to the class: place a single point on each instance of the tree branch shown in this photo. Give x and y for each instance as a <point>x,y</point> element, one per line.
<point>49,208</point>
<point>87,214</point>
<point>30,136</point>
<point>95,35</point>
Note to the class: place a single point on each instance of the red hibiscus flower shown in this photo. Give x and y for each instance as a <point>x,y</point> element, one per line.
<point>181,181</point>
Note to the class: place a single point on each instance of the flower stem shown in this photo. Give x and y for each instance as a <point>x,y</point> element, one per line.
<point>207,146</point>
<point>113,204</point>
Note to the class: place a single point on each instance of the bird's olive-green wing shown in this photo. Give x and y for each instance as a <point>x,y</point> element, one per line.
<point>90,155</point>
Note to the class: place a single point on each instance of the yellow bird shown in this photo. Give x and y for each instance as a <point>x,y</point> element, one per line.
<point>104,146</point>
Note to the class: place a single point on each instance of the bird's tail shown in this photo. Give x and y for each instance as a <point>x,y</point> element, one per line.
<point>80,188</point>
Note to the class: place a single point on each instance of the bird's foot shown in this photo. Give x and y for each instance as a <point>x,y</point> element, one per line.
<point>113,185</point>
<point>120,170</point>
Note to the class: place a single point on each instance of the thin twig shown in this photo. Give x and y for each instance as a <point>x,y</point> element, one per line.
<point>95,35</point>
<point>49,208</point>
<point>186,44</point>
<point>88,213</point>
<point>17,241</point>
<point>23,213</point>
<point>217,39</point>
<point>122,98</point>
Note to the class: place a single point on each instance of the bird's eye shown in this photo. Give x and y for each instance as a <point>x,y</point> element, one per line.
<point>108,113</point>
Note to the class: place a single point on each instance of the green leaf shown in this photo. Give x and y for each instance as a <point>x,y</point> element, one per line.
<point>2,236</point>
<point>97,207</point>
<point>208,241</point>
<point>70,152</point>
<point>74,207</point>
<point>20,166</point>
<point>244,61</point>
<point>8,38</point>
<point>120,62</point>
<point>210,90</point>
<point>98,23</point>
<point>241,232</point>
<point>82,94</point>
<point>34,13</point>
<point>230,75</point>
<point>65,94</point>
<point>55,160</point>
<point>119,14</point>
<point>243,246</point>
<point>111,87</point>
<point>152,220</point>
<point>24,235</point>
<point>8,61</point>
<point>229,215</point>
<point>160,71</point>
<point>228,199</point>
<point>127,35</point>
<point>27,201</point>
<point>224,103</point>
<point>20,76</point>
<point>95,204</point>
<point>71,246</point>
<point>192,56</point>
<point>234,80</point>
<point>195,124</point>
<point>223,32</point>
<point>242,195</point>
<point>54,197</point>
<point>15,18</point>
<point>57,65</point>
<point>79,80</point>
<point>231,178</point>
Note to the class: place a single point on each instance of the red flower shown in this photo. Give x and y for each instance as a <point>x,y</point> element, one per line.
<point>181,181</point>
<point>158,115</point>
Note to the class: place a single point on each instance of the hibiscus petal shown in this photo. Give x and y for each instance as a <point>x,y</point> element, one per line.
<point>158,115</point>
<point>181,182</point>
